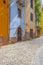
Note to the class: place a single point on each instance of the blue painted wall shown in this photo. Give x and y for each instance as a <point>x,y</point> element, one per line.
<point>15,22</point>
<point>22,22</point>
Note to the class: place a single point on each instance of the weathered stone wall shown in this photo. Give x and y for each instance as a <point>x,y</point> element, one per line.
<point>28,23</point>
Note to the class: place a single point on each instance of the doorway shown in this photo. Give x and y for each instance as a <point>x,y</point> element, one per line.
<point>19,34</point>
<point>31,33</point>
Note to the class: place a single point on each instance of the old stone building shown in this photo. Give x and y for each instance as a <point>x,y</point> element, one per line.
<point>29,19</point>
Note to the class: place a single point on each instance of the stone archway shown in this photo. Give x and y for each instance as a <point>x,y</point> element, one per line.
<point>19,34</point>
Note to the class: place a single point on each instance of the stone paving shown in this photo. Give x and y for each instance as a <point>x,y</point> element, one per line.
<point>22,53</point>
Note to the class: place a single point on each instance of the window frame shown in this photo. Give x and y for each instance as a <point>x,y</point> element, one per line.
<point>31,4</point>
<point>31,16</point>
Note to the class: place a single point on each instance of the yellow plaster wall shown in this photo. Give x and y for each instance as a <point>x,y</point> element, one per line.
<point>4,18</point>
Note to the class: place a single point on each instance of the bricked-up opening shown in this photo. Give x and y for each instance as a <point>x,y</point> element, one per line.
<point>19,13</point>
<point>4,1</point>
<point>31,3</point>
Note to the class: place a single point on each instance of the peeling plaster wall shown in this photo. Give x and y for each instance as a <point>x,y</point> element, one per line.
<point>22,22</point>
<point>15,22</point>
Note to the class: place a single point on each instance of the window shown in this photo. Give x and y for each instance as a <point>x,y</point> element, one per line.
<point>31,3</point>
<point>19,12</point>
<point>31,17</point>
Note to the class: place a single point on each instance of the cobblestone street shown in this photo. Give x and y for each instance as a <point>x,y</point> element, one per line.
<point>22,53</point>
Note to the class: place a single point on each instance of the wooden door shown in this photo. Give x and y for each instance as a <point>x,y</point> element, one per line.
<point>31,33</point>
<point>19,34</point>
